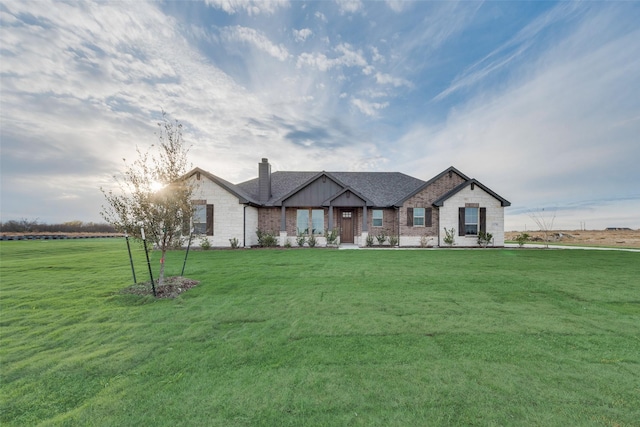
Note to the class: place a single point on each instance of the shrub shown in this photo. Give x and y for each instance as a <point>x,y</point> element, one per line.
<point>266,239</point>
<point>381,238</point>
<point>424,241</point>
<point>312,241</point>
<point>301,239</point>
<point>522,239</point>
<point>369,241</point>
<point>205,244</point>
<point>394,240</point>
<point>449,236</point>
<point>484,239</point>
<point>332,236</point>
<point>234,243</point>
<point>287,244</point>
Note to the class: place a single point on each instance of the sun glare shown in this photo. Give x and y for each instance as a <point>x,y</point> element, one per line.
<point>156,186</point>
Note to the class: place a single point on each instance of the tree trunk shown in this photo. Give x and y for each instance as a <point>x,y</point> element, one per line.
<point>161,274</point>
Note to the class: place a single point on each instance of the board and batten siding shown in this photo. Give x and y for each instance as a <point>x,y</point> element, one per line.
<point>228,214</point>
<point>494,219</point>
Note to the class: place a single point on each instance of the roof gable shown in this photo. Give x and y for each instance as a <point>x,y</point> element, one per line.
<point>440,201</point>
<point>243,196</point>
<point>312,192</point>
<point>449,171</point>
<point>342,198</point>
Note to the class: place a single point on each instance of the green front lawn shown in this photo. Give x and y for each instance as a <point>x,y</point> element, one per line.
<point>320,337</point>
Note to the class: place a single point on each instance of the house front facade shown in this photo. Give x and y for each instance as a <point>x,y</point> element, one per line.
<point>357,206</point>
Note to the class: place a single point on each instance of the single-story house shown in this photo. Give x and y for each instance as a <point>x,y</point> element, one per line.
<point>354,204</point>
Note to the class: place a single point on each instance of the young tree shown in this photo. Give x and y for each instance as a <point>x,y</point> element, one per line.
<point>544,220</point>
<point>152,194</point>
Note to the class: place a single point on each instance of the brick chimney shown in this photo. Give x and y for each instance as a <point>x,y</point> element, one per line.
<point>264,181</point>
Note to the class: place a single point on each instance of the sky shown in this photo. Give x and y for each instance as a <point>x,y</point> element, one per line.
<point>539,101</point>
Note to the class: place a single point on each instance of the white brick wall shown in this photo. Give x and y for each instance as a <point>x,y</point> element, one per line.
<point>228,215</point>
<point>251,238</point>
<point>495,216</point>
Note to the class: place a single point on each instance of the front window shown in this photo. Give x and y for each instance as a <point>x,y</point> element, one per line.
<point>377,218</point>
<point>471,221</point>
<point>302,224</point>
<point>418,217</point>
<point>317,221</point>
<point>200,219</point>
<point>310,221</point>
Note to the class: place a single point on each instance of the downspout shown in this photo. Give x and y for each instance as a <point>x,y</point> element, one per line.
<point>438,228</point>
<point>398,219</point>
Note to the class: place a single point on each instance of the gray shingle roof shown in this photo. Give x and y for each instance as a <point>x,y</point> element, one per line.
<point>382,188</point>
<point>239,192</point>
<point>444,197</point>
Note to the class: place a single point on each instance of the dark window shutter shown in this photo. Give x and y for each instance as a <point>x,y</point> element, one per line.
<point>209,220</point>
<point>483,220</point>
<point>427,220</point>
<point>461,231</point>
<point>410,217</point>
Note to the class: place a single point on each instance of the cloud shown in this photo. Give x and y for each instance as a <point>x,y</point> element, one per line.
<point>376,55</point>
<point>510,51</point>
<point>397,5</point>
<point>346,57</point>
<point>256,39</point>
<point>549,117</point>
<point>321,16</point>
<point>369,108</point>
<point>83,84</point>
<point>251,7</point>
<point>349,6</point>
<point>386,79</point>
<point>560,130</point>
<point>302,35</point>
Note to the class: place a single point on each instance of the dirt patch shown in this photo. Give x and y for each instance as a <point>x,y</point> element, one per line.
<point>609,238</point>
<point>171,288</point>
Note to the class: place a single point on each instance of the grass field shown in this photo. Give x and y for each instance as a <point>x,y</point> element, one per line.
<point>320,337</point>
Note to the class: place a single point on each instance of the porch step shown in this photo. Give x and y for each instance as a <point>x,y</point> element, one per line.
<point>348,246</point>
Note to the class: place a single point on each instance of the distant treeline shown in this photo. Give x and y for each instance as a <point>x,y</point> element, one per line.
<point>28,226</point>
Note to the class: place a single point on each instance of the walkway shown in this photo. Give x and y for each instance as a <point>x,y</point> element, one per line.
<point>591,248</point>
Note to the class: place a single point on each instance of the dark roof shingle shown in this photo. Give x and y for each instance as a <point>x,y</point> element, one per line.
<point>382,188</point>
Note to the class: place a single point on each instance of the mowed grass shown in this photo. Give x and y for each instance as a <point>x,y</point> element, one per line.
<point>319,337</point>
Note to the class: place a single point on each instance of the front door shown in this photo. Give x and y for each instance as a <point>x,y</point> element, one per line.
<point>346,226</point>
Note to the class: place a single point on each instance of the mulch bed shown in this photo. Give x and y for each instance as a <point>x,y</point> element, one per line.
<point>171,288</point>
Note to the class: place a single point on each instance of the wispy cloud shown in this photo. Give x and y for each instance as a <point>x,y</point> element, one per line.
<point>349,6</point>
<point>345,56</point>
<point>251,7</point>
<point>386,79</point>
<point>557,122</point>
<point>547,115</point>
<point>369,108</point>
<point>511,50</point>
<point>256,39</point>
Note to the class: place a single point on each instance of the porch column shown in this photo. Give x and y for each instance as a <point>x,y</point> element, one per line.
<point>365,227</point>
<point>330,218</point>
